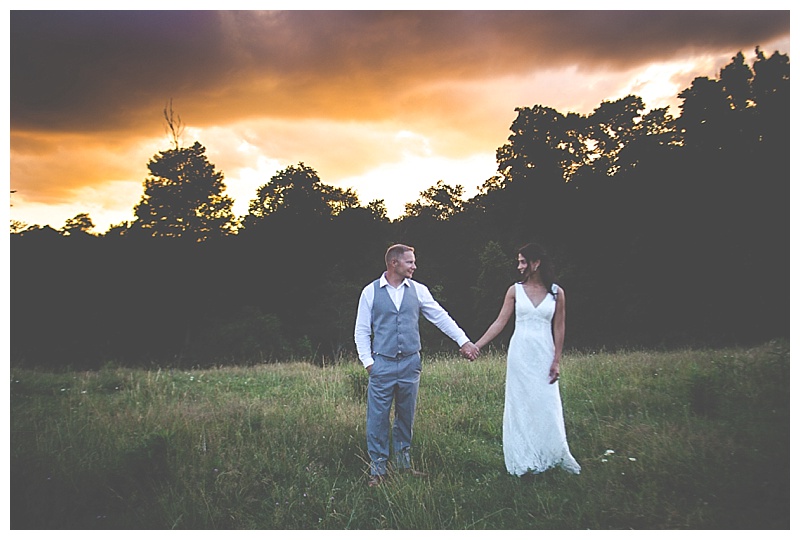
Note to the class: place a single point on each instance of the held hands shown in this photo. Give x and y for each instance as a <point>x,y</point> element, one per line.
<point>470,351</point>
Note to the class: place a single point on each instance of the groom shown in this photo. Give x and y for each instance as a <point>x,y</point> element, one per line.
<point>388,344</point>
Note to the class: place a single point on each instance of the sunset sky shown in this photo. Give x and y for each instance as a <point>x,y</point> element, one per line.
<point>386,102</point>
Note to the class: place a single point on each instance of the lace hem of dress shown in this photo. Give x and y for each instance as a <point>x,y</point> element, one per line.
<point>566,465</point>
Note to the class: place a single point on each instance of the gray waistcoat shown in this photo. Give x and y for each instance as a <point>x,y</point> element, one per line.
<point>395,333</point>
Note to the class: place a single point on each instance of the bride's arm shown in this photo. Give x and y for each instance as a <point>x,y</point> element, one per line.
<point>559,327</point>
<point>502,319</point>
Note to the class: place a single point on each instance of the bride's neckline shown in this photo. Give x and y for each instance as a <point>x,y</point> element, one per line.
<point>534,304</point>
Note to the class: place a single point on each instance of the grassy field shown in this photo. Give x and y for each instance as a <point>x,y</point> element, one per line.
<point>692,439</point>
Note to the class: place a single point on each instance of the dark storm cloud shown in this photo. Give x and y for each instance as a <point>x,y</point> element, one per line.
<point>75,71</point>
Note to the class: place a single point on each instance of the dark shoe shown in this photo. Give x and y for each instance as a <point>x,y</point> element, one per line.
<point>375,480</point>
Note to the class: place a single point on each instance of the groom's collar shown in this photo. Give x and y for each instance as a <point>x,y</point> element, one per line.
<point>384,282</point>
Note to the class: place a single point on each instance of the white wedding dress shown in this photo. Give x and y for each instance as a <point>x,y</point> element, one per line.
<point>534,438</point>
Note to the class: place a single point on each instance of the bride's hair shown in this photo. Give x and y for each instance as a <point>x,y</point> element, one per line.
<point>535,252</point>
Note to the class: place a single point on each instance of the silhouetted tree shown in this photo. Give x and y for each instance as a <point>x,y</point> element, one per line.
<point>655,133</point>
<point>39,232</point>
<point>184,197</point>
<point>17,226</point>
<point>80,224</point>
<point>440,202</point>
<point>298,191</point>
<point>736,79</point>
<point>608,132</point>
<point>771,93</point>
<point>703,114</point>
<point>543,143</point>
<point>119,229</point>
<point>378,209</point>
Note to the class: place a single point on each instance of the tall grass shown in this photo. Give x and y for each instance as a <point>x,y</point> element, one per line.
<point>693,439</point>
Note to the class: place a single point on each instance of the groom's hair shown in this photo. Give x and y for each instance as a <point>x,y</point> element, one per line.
<point>396,251</point>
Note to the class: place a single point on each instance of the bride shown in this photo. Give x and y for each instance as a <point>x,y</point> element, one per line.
<point>534,438</point>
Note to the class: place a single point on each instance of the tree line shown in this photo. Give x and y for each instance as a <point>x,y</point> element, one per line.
<point>665,231</point>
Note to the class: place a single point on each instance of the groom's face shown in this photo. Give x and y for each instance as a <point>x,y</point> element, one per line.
<point>405,265</point>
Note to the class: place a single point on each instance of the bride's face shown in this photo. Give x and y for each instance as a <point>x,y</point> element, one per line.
<point>522,265</point>
<point>526,268</point>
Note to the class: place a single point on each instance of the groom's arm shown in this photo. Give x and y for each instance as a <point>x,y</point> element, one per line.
<point>363,329</point>
<point>435,313</point>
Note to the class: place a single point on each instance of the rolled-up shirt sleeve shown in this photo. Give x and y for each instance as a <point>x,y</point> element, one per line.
<point>436,314</point>
<point>363,330</point>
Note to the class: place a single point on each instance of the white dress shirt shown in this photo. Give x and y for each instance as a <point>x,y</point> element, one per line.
<point>429,307</point>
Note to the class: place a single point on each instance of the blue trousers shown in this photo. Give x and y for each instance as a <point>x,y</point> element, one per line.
<point>391,380</point>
